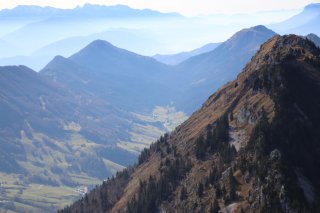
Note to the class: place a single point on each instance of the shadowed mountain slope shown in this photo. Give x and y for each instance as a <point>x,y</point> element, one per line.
<point>201,74</point>
<point>51,135</point>
<point>116,75</point>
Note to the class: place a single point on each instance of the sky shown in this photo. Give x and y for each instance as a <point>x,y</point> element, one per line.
<point>185,7</point>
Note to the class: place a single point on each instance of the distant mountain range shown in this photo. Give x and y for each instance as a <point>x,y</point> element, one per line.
<point>86,11</point>
<point>175,59</point>
<point>302,23</point>
<point>66,47</point>
<point>116,71</point>
<point>116,75</point>
<point>29,30</point>
<point>33,35</point>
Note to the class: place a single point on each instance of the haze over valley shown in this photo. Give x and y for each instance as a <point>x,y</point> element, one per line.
<point>32,35</point>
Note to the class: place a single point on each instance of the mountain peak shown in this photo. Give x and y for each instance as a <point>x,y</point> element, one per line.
<point>248,38</point>
<point>252,33</point>
<point>312,35</point>
<point>100,43</point>
<point>314,38</point>
<point>56,60</point>
<point>98,46</point>
<point>314,6</point>
<point>259,28</point>
<point>256,29</point>
<point>280,48</point>
<point>59,58</point>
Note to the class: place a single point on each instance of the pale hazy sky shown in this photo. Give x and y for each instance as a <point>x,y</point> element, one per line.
<point>186,7</point>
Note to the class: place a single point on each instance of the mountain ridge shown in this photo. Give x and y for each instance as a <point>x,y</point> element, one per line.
<point>177,58</point>
<point>102,65</point>
<point>302,23</point>
<point>208,71</point>
<point>89,10</point>
<point>233,148</point>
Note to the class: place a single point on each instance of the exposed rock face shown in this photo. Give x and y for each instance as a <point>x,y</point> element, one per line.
<point>197,169</point>
<point>247,115</point>
<point>275,155</point>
